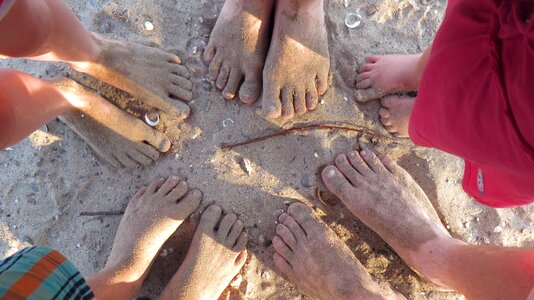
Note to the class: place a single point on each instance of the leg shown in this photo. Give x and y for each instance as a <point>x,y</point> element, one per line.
<point>238,46</point>
<point>313,258</point>
<point>298,63</point>
<point>41,273</point>
<point>377,191</point>
<point>388,74</point>
<point>48,30</point>
<point>216,255</point>
<point>151,217</point>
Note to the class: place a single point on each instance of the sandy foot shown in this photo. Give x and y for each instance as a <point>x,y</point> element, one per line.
<point>237,48</point>
<point>395,114</point>
<point>298,63</point>
<point>385,197</point>
<point>114,135</point>
<point>313,258</point>
<point>147,73</point>
<point>151,217</point>
<point>216,255</point>
<point>386,74</point>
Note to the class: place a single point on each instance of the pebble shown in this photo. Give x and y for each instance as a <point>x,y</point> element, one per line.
<point>266,275</point>
<point>227,122</point>
<point>207,85</point>
<point>164,253</point>
<point>148,26</point>
<point>497,229</point>
<point>305,181</point>
<point>322,102</point>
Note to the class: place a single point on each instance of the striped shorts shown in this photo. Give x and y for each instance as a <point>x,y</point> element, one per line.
<point>41,273</point>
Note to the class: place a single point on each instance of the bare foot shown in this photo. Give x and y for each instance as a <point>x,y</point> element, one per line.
<point>146,73</point>
<point>313,258</point>
<point>238,46</point>
<point>216,255</point>
<point>116,136</point>
<point>395,114</point>
<point>298,63</point>
<point>387,74</point>
<point>385,197</point>
<point>151,217</point>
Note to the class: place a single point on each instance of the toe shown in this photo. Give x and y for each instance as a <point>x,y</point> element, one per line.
<point>140,193</point>
<point>285,234</point>
<point>222,79</point>
<point>390,101</point>
<point>209,53</point>
<point>234,233</point>
<point>215,66</point>
<point>179,92</point>
<point>241,258</point>
<point>241,242</point>
<point>288,106</point>
<point>304,216</point>
<point>383,112</point>
<point>210,218</point>
<point>126,160</point>
<point>173,59</point>
<point>234,80</point>
<point>359,164</point>
<point>139,157</point>
<point>312,99</point>
<point>180,70</point>
<point>365,95</point>
<point>295,228</point>
<point>365,84</point>
<point>283,265</point>
<point>386,122</point>
<point>177,192</point>
<point>281,248</point>
<point>363,76</point>
<point>336,182</point>
<point>300,102</point>
<point>343,165</point>
<point>372,59</point>
<point>182,82</point>
<point>157,139</point>
<point>365,68</point>
<point>322,83</point>
<point>154,186</point>
<point>224,228</point>
<point>270,103</point>
<point>250,89</point>
<point>148,151</point>
<point>372,161</point>
<point>390,165</point>
<point>168,186</point>
<point>187,205</point>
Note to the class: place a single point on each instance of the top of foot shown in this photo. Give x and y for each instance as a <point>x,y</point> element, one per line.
<point>237,48</point>
<point>385,197</point>
<point>313,258</point>
<point>149,74</point>
<point>395,114</point>
<point>297,66</point>
<point>382,75</point>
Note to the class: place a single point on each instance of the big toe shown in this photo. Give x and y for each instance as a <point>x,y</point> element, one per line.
<point>210,218</point>
<point>250,90</point>
<point>188,204</point>
<point>271,104</point>
<point>336,182</point>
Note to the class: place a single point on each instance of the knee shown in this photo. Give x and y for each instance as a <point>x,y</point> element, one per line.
<point>24,27</point>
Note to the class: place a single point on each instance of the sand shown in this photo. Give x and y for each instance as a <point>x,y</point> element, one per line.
<point>51,177</point>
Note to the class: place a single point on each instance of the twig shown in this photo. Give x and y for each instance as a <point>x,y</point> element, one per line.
<point>101,213</point>
<point>226,147</point>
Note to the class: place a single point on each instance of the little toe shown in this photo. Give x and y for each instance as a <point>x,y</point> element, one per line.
<point>343,165</point>
<point>365,84</point>
<point>210,218</point>
<point>312,99</point>
<point>270,103</point>
<point>182,82</point>
<point>222,79</point>
<point>214,68</point>
<point>303,215</point>
<point>241,242</point>
<point>241,258</point>
<point>234,80</point>
<point>177,192</point>
<point>209,53</point>
<point>322,83</point>
<point>126,160</point>
<point>283,266</point>
<point>383,112</point>
<point>188,204</point>
<point>173,59</point>
<point>250,89</point>
<point>294,227</point>
<point>285,234</point>
<point>365,95</point>
<point>139,157</point>
<point>179,92</point>
<point>336,182</point>
<point>386,121</point>
<point>300,102</point>
<point>168,186</point>
<point>180,71</point>
<point>226,224</point>
<point>288,106</point>
<point>234,233</point>
<point>140,193</point>
<point>281,248</point>
<point>372,161</point>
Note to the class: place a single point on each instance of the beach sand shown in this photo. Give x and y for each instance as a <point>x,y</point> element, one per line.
<point>52,177</point>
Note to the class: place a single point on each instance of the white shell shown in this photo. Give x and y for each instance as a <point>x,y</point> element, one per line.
<point>353,20</point>
<point>152,119</point>
<point>148,26</point>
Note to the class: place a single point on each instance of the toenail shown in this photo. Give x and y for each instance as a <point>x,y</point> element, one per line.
<point>331,173</point>
<point>352,154</point>
<point>363,152</point>
<point>174,178</point>
<point>197,193</point>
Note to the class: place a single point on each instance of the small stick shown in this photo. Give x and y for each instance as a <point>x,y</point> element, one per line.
<point>226,147</point>
<point>102,213</point>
